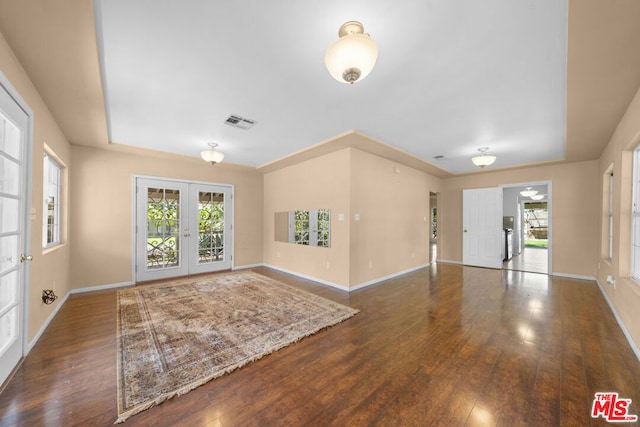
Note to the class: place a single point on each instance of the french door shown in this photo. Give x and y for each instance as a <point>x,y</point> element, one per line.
<point>182,228</point>
<point>14,223</point>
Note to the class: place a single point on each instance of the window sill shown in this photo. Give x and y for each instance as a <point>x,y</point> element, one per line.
<point>46,251</point>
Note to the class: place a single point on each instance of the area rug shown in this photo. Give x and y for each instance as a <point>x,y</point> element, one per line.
<point>175,336</point>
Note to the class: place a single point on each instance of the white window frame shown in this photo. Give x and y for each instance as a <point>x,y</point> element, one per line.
<point>52,187</point>
<point>635,218</point>
<point>610,219</point>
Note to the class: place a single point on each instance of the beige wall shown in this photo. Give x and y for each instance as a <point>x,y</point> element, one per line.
<point>391,200</point>
<point>101,194</point>
<point>625,294</point>
<point>49,269</point>
<point>574,212</point>
<point>392,234</point>
<point>319,183</point>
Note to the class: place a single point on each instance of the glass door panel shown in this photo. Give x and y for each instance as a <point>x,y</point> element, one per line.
<point>210,226</point>
<point>211,216</point>
<point>160,241</point>
<point>13,226</point>
<point>163,228</point>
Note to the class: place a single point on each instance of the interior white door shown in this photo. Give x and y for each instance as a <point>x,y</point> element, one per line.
<point>14,223</point>
<point>482,227</point>
<point>182,228</point>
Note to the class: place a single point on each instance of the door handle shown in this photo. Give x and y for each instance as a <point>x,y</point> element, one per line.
<point>465,230</point>
<point>186,234</point>
<point>24,258</point>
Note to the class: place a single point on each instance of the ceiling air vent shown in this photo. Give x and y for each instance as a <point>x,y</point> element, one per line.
<point>239,122</point>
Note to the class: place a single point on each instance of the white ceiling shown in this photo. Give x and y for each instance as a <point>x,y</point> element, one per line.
<point>451,76</point>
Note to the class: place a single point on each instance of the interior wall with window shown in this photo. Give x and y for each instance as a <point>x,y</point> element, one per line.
<point>380,218</point>
<point>318,183</point>
<point>50,268</point>
<point>624,293</point>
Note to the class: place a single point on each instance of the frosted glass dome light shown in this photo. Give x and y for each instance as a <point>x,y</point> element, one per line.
<point>353,55</point>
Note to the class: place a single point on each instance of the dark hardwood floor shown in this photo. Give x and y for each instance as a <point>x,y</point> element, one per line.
<point>444,346</point>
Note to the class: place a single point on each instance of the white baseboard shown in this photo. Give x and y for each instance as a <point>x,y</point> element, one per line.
<point>44,326</point>
<point>306,276</point>
<point>446,261</point>
<point>626,333</point>
<point>64,299</point>
<point>100,288</point>
<point>244,267</point>
<point>352,288</point>
<point>574,276</point>
<point>388,277</point>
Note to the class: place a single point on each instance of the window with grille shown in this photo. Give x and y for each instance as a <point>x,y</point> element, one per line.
<point>51,203</point>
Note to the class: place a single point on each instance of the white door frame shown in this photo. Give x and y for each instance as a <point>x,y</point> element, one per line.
<point>549,213</point>
<point>27,191</point>
<point>229,241</point>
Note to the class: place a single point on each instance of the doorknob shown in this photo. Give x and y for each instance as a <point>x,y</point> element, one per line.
<point>24,258</point>
<point>465,230</point>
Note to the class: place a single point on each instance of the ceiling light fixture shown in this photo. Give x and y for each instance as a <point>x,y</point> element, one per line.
<point>353,55</point>
<point>528,192</point>
<point>212,156</point>
<point>483,159</point>
<point>537,197</point>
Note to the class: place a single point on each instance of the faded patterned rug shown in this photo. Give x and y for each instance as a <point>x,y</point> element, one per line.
<point>175,336</point>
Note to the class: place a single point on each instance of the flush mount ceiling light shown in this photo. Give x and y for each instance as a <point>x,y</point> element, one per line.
<point>528,192</point>
<point>353,55</point>
<point>537,197</point>
<point>212,156</point>
<point>483,159</point>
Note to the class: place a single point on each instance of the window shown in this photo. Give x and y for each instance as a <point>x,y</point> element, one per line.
<point>606,245</point>
<point>51,203</point>
<point>635,218</point>
<point>610,216</point>
<point>311,228</point>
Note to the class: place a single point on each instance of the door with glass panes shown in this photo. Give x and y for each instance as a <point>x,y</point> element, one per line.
<point>182,228</point>
<point>14,226</point>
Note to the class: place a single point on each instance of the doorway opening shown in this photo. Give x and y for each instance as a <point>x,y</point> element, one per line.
<point>433,227</point>
<point>527,227</point>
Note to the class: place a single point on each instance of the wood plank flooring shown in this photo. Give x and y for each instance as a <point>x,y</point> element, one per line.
<point>533,260</point>
<point>444,346</point>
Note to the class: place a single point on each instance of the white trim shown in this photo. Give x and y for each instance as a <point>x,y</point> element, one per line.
<point>305,276</point>
<point>352,288</point>
<point>448,261</point>
<point>626,333</point>
<point>388,277</point>
<point>244,267</point>
<point>100,287</point>
<point>53,313</point>
<point>574,276</point>
<point>45,325</point>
